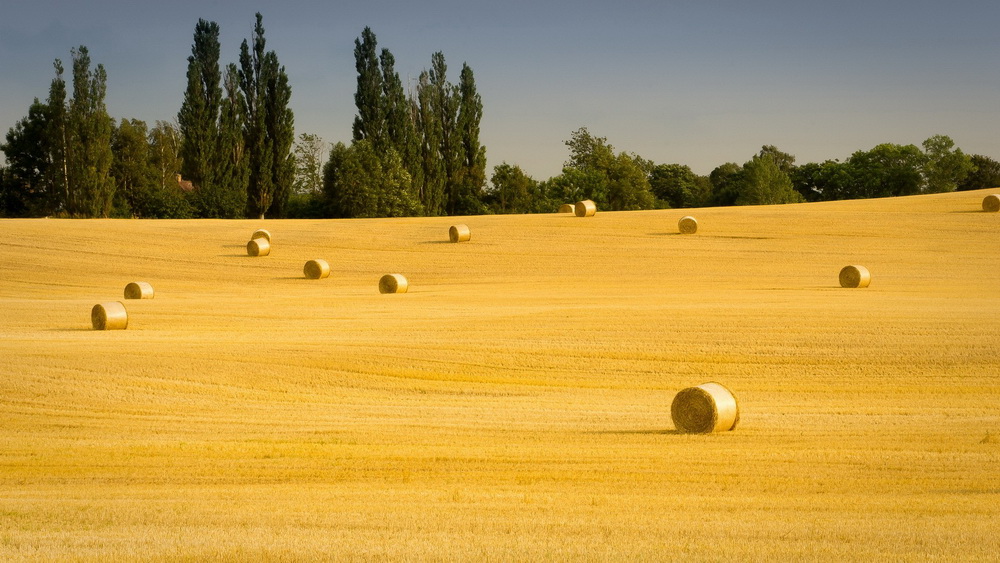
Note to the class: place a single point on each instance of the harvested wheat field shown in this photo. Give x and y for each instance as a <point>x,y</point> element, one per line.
<point>516,402</point>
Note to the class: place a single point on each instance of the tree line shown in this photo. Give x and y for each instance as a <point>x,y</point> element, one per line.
<point>232,152</point>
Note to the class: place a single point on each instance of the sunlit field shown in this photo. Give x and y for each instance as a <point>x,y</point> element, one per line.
<point>515,403</point>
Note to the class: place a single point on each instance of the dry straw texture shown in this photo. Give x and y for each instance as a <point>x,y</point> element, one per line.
<point>258,247</point>
<point>316,269</point>
<point>687,225</point>
<point>991,203</point>
<point>855,276</point>
<point>709,407</point>
<point>109,316</point>
<point>459,233</point>
<point>392,283</point>
<point>567,208</point>
<point>585,208</point>
<point>139,290</point>
<point>261,233</point>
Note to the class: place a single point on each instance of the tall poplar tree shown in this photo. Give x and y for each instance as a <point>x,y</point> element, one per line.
<point>432,185</point>
<point>229,196</point>
<point>269,130</point>
<point>369,123</point>
<point>472,176</point>
<point>57,173</point>
<point>90,127</point>
<point>199,114</point>
<point>399,121</point>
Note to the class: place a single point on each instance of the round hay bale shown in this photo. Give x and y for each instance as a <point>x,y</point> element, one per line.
<point>138,290</point>
<point>109,316</point>
<point>392,283</point>
<point>687,225</point>
<point>258,247</point>
<point>567,208</point>
<point>709,407</point>
<point>855,276</point>
<point>261,233</point>
<point>991,203</point>
<point>585,208</point>
<point>316,269</point>
<point>459,233</point>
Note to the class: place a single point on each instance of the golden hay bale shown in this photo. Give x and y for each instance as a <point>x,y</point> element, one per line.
<point>991,203</point>
<point>459,233</point>
<point>138,290</point>
<point>109,316</point>
<point>687,225</point>
<point>392,283</point>
<point>261,233</point>
<point>855,276</point>
<point>567,208</point>
<point>316,269</point>
<point>258,247</point>
<point>709,407</point>
<point>585,208</point>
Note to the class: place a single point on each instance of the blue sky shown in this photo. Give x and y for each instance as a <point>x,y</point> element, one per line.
<point>689,82</point>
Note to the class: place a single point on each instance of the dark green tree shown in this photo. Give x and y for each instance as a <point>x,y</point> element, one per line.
<point>513,191</point>
<point>198,118</point>
<point>400,124</point>
<point>90,127</point>
<point>59,141</point>
<point>269,128</point>
<point>433,177</point>
<point>946,167</point>
<point>725,180</point>
<point>359,182</point>
<point>615,182</point>
<point>226,197</point>
<point>167,199</point>
<point>467,195</point>
<point>985,174</point>
<point>28,187</point>
<point>370,122</point>
<point>131,167</point>
<point>763,182</point>
<point>444,105</point>
<point>675,184</point>
<point>887,170</point>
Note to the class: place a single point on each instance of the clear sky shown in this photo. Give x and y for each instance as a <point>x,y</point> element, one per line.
<point>690,82</point>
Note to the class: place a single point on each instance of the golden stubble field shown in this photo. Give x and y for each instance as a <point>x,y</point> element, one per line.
<point>515,404</point>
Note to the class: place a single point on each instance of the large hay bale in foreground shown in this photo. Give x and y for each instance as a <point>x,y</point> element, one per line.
<point>991,203</point>
<point>459,233</point>
<point>138,290</point>
<point>109,316</point>
<point>585,208</point>
<point>709,407</point>
<point>258,247</point>
<point>855,276</point>
<point>316,269</point>
<point>567,208</point>
<point>261,233</point>
<point>687,225</point>
<point>392,283</point>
